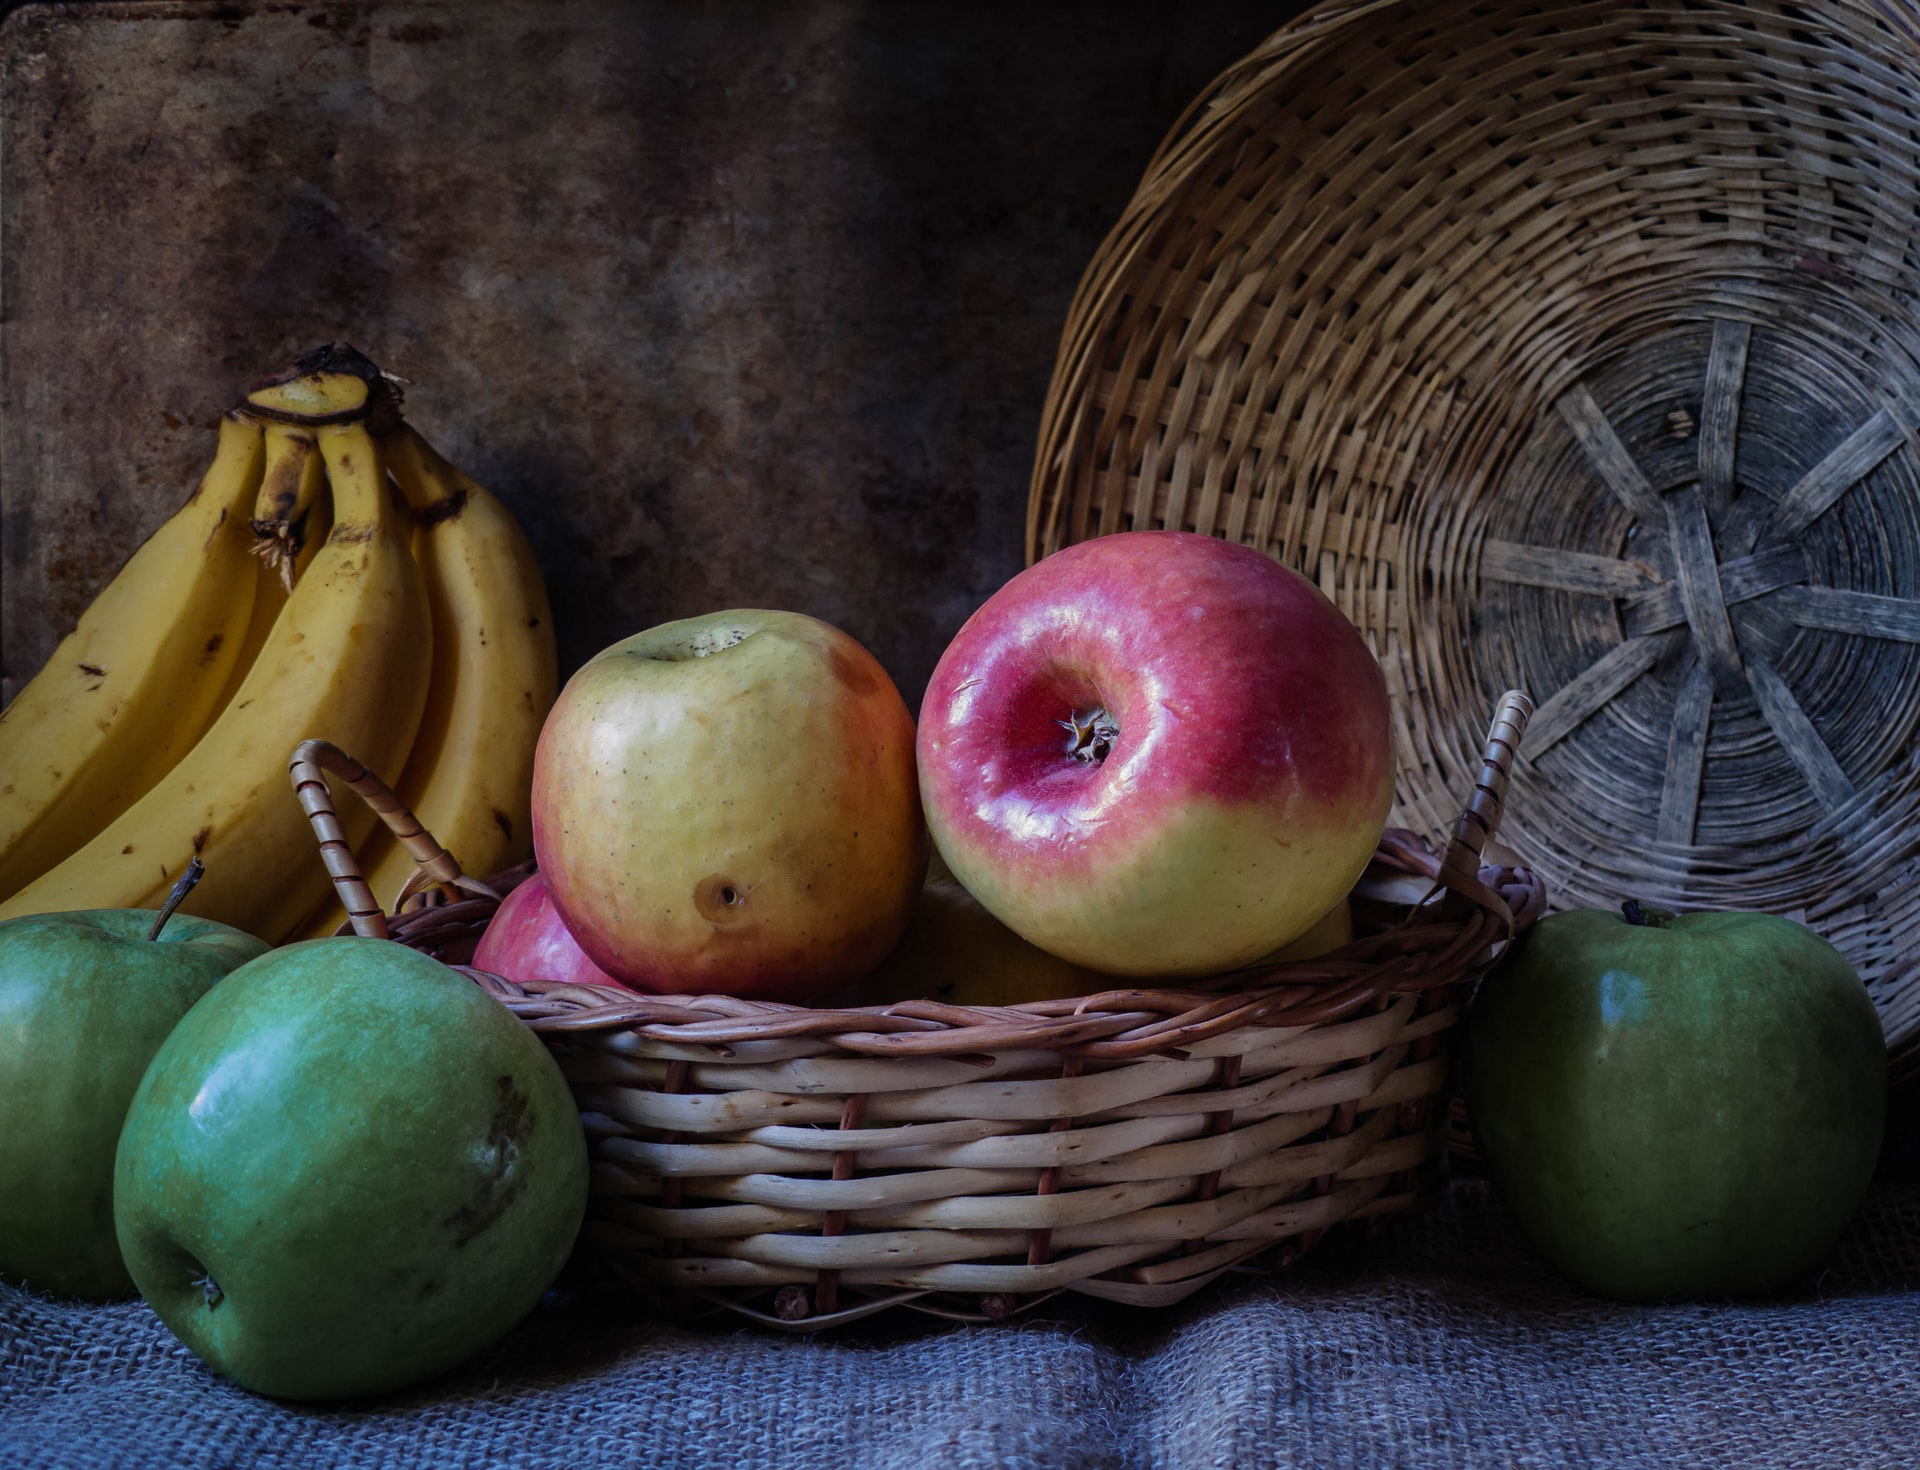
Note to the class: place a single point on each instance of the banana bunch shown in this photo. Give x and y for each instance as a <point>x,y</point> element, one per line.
<point>331,577</point>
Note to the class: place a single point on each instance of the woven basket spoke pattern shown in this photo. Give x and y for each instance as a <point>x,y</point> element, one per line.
<point>1753,714</point>
<point>1570,346</point>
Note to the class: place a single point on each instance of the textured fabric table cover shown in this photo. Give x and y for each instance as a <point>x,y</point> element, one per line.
<point>1441,1343</point>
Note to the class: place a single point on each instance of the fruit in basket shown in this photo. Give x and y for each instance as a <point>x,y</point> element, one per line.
<point>526,939</point>
<point>347,1169</point>
<point>85,1001</point>
<point>129,691</point>
<point>955,952</point>
<point>1156,753</point>
<point>727,804</point>
<point>1677,1106</point>
<point>468,776</point>
<point>345,660</point>
<point>1330,931</point>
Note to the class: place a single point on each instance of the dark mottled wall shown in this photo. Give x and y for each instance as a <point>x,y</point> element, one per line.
<point>734,303</point>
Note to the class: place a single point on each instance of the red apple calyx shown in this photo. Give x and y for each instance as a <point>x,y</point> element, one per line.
<point>1092,735</point>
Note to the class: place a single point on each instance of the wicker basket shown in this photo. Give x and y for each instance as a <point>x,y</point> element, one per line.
<point>1574,345</point>
<point>806,1166</point>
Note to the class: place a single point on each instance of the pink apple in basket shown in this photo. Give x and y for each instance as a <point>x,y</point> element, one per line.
<point>1157,753</point>
<point>727,804</point>
<point>526,939</point>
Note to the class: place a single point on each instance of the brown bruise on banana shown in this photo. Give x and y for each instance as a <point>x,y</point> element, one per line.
<point>437,512</point>
<point>213,534</point>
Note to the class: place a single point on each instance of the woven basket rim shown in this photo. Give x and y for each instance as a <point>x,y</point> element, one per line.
<point>1112,1024</point>
<point>1464,908</point>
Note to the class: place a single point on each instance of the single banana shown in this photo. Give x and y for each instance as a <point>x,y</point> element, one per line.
<point>469,778</point>
<point>138,681</point>
<point>291,488</point>
<point>285,547</point>
<point>344,661</point>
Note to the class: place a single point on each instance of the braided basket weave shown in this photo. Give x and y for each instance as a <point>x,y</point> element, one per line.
<point>808,1166</point>
<point>1576,345</point>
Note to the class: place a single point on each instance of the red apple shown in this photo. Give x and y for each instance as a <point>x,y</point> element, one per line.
<point>727,804</point>
<point>526,939</point>
<point>1156,753</point>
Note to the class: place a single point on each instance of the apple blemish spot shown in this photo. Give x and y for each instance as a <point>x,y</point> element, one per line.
<point>719,899</point>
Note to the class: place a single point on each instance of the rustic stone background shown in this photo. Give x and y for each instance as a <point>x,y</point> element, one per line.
<point>735,303</point>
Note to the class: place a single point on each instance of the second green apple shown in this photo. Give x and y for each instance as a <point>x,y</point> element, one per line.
<point>1681,1105</point>
<point>347,1169</point>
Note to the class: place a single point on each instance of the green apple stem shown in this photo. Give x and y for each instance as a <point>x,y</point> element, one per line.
<point>181,888</point>
<point>1645,918</point>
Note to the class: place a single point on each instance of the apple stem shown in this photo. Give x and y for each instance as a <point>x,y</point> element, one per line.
<point>1643,917</point>
<point>1090,734</point>
<point>210,1289</point>
<point>181,888</point>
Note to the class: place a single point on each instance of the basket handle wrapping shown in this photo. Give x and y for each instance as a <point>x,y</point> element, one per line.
<point>312,760</point>
<point>1479,819</point>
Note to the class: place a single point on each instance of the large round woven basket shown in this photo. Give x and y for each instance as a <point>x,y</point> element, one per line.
<point>1575,345</point>
<point>807,1166</point>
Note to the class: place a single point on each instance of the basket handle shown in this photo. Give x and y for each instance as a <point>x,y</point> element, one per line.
<point>311,761</point>
<point>1479,820</point>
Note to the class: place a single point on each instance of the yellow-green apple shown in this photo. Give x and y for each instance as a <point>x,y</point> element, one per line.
<point>85,1001</point>
<point>1330,931</point>
<point>347,1169</point>
<point>727,804</point>
<point>955,952</point>
<point>1157,753</point>
<point>526,939</point>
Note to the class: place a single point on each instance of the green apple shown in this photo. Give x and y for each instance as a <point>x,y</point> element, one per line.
<point>85,1001</point>
<point>1683,1106</point>
<point>347,1169</point>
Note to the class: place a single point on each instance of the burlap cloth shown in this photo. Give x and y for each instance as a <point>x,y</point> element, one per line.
<point>1438,1344</point>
